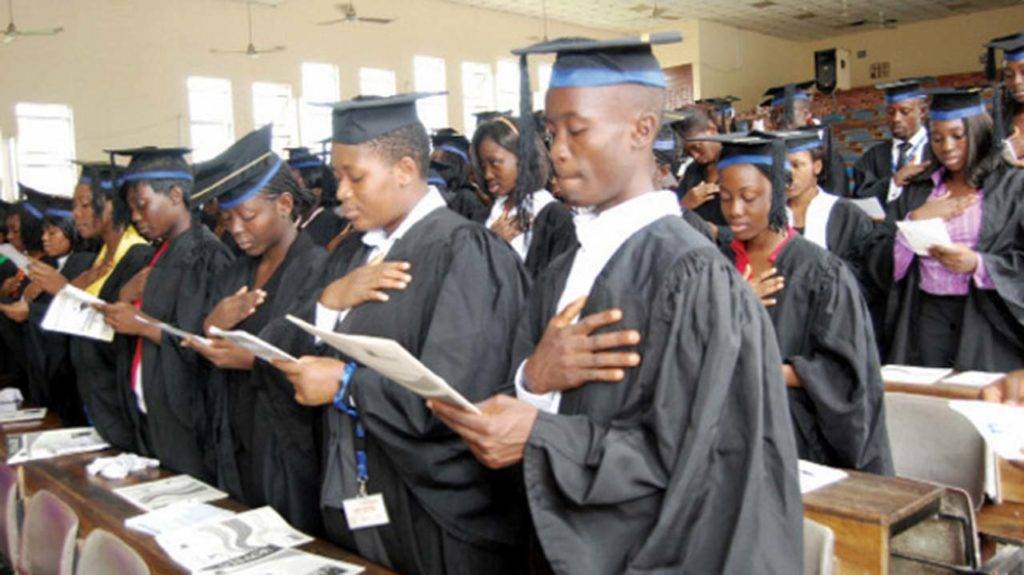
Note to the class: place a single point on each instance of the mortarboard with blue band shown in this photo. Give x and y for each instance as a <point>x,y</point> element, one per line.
<point>904,89</point>
<point>1013,52</point>
<point>1012,47</point>
<point>240,172</point>
<point>253,189</point>
<point>454,150</point>
<point>143,175</point>
<point>780,95</point>
<point>150,163</point>
<point>955,103</point>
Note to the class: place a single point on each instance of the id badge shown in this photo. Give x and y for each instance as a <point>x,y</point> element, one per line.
<point>366,511</point>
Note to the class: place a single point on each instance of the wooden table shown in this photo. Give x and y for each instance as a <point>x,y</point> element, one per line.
<point>865,511</point>
<point>97,506</point>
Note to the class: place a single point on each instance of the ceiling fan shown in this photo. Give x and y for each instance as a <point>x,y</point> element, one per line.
<point>251,50</point>
<point>12,32</point>
<point>656,13</point>
<point>349,16</point>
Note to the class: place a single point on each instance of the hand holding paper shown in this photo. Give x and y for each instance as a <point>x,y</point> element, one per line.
<point>923,234</point>
<point>252,344</point>
<point>73,312</point>
<point>17,258</point>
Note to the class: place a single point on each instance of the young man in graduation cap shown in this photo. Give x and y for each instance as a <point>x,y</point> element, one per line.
<point>399,487</point>
<point>790,109</point>
<point>163,382</point>
<point>886,167</point>
<point>1008,100</point>
<point>651,418</point>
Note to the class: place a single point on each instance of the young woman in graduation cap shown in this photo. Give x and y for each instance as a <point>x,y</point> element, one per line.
<point>960,305</point>
<point>262,201</point>
<point>514,171</point>
<point>1008,101</point>
<point>449,157</point>
<point>321,223</point>
<point>829,354</point>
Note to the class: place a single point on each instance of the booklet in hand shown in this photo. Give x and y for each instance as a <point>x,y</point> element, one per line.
<point>252,344</point>
<point>388,358</point>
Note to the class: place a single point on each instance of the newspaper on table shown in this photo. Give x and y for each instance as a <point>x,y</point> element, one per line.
<point>814,476</point>
<point>1001,425</point>
<point>17,258</point>
<point>53,443</point>
<point>292,562</point>
<point>21,415</point>
<point>388,358</point>
<point>176,516</point>
<point>923,234</point>
<point>252,344</point>
<point>235,542</point>
<point>914,375</point>
<point>72,312</point>
<point>974,378</point>
<point>153,495</point>
<point>871,206</point>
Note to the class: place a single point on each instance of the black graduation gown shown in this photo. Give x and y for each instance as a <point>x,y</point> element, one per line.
<point>51,374</point>
<point>325,226</point>
<point>689,465</point>
<point>465,202</point>
<point>711,210</point>
<point>176,423</point>
<point>833,178</point>
<point>552,233</point>
<point>992,330</point>
<point>448,513</point>
<point>12,340</point>
<point>824,331</point>
<point>96,362</point>
<point>872,173</point>
<point>235,392</point>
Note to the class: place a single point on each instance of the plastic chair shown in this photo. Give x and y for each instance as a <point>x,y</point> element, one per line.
<point>819,549</point>
<point>10,515</point>
<point>104,553</point>
<point>48,539</point>
<point>931,442</point>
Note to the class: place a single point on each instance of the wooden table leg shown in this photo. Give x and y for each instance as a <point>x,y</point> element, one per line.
<point>861,548</point>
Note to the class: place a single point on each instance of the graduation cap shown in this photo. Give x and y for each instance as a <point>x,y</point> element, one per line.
<point>150,163</point>
<point>100,175</point>
<point>666,138</point>
<point>903,89</point>
<point>366,118</point>
<point>719,104</point>
<point>767,150</point>
<point>489,115</point>
<point>33,202</point>
<point>955,103</point>
<point>1013,51</point>
<point>451,141</point>
<point>802,140</point>
<point>786,96</point>
<point>239,172</point>
<point>301,158</point>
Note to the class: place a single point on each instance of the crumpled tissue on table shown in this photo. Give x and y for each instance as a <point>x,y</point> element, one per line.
<point>120,466</point>
<point>10,399</point>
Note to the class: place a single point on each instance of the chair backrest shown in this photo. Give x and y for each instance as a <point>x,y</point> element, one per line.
<point>104,553</point>
<point>819,549</point>
<point>931,442</point>
<point>48,538</point>
<point>9,524</point>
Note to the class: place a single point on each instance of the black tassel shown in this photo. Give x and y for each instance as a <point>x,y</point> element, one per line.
<point>777,219</point>
<point>528,156</point>
<point>789,103</point>
<point>990,65</point>
<point>998,113</point>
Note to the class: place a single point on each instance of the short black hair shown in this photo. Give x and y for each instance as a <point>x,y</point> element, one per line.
<point>31,230</point>
<point>410,141</point>
<point>285,182</point>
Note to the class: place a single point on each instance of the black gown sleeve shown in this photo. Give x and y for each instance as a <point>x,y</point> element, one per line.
<point>553,232</point>
<point>872,173</point>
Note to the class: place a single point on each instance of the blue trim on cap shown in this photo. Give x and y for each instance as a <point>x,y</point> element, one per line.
<point>437,181</point>
<point>109,184</point>
<point>454,150</point>
<point>960,114</point>
<point>156,175</point>
<point>664,145</point>
<point>33,211</point>
<point>594,77</point>
<point>745,159</point>
<point>253,190</point>
<point>63,214</point>
<point>805,147</point>
<point>303,164</point>
<point>1014,56</point>
<point>903,97</point>
<point>780,100</point>
<point>85,181</point>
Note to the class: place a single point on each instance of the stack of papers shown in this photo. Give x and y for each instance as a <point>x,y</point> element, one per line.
<point>176,516</point>
<point>21,415</point>
<point>914,375</point>
<point>1001,425</point>
<point>72,312</point>
<point>814,476</point>
<point>974,378</point>
<point>923,234</point>
<point>239,541</point>
<point>163,492</point>
<point>252,344</point>
<point>55,443</point>
<point>292,562</point>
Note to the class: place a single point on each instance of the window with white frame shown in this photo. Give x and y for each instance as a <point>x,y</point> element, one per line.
<point>543,80</point>
<point>377,82</point>
<point>506,84</point>
<point>272,103</point>
<point>211,116</point>
<point>45,147</point>
<point>429,76</point>
<point>477,93</point>
<point>320,85</point>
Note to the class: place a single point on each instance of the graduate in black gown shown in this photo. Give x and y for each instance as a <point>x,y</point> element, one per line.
<point>1008,96</point>
<point>698,187</point>
<point>101,214</point>
<point>50,368</point>
<point>164,383</point>
<point>722,112</point>
<point>821,320</point>
<point>959,306</point>
<point>321,223</point>
<point>653,433</point>
<point>536,224</point>
<point>790,110</point>
<point>449,158</point>
<point>449,292</point>
<point>886,167</point>
<point>262,200</point>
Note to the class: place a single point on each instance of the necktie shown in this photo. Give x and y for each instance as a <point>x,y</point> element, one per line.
<point>901,160</point>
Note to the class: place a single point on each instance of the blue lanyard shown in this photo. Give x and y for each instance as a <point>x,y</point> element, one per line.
<point>362,471</point>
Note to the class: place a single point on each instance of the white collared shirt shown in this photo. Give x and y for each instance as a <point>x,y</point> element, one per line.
<point>381,243</point>
<point>600,235</point>
<point>819,210</point>
<point>520,243</point>
<point>915,155</point>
